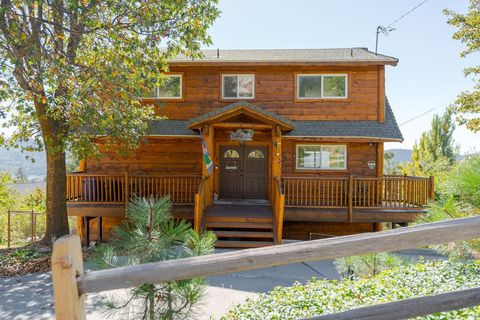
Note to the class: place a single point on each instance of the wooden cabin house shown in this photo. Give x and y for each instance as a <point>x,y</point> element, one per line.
<point>296,139</point>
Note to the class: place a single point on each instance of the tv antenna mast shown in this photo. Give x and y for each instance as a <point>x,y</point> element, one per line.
<point>386,30</point>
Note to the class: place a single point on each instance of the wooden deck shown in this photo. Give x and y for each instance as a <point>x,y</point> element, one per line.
<point>359,215</point>
<point>347,199</point>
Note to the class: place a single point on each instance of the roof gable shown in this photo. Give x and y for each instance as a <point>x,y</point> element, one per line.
<point>237,109</point>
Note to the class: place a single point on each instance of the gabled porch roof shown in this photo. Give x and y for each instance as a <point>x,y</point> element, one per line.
<point>241,108</point>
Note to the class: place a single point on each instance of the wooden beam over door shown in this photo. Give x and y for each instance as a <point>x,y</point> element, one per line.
<point>227,125</point>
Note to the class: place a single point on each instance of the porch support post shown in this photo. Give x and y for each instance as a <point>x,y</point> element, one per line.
<point>276,157</point>
<point>350,199</point>
<point>82,165</point>
<point>277,198</point>
<point>208,135</point>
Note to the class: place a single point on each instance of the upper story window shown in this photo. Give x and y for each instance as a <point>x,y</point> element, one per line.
<point>238,86</point>
<point>322,86</point>
<point>321,157</point>
<point>171,88</point>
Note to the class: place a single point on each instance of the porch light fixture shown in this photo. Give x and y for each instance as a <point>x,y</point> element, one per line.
<point>371,164</point>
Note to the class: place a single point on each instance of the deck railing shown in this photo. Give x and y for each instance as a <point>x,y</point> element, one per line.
<point>318,192</point>
<point>393,192</point>
<point>181,189</point>
<point>200,204</point>
<point>85,188</point>
<point>96,188</point>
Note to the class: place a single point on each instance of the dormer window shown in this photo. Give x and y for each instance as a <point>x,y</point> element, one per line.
<point>170,89</point>
<point>238,86</point>
<point>322,86</point>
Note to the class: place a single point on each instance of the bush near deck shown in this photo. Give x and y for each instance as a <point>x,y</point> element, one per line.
<point>329,296</point>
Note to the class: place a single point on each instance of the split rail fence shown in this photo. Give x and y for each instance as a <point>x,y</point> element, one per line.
<point>71,284</point>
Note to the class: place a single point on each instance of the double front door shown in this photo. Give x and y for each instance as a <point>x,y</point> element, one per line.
<point>243,172</point>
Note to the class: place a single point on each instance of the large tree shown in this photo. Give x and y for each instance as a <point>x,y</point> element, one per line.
<point>436,151</point>
<point>72,70</point>
<point>467,104</point>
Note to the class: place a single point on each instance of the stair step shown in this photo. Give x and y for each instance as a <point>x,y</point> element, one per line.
<point>243,234</point>
<point>239,219</point>
<point>239,225</point>
<point>242,244</point>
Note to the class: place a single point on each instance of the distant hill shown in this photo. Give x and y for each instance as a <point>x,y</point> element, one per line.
<point>405,155</point>
<point>11,160</point>
<point>400,155</point>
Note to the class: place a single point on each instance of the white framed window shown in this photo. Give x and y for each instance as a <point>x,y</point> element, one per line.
<point>238,86</point>
<point>171,88</point>
<point>322,86</point>
<point>321,157</point>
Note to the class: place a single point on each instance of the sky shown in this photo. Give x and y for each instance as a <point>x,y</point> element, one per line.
<point>428,75</point>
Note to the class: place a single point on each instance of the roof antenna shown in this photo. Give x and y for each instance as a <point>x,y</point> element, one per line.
<point>385,31</point>
<point>218,53</point>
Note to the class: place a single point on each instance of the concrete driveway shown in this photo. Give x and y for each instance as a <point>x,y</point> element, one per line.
<point>31,297</point>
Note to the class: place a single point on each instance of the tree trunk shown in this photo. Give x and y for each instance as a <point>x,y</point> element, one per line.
<point>56,209</point>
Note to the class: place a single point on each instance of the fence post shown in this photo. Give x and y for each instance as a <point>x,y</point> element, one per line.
<point>350,199</point>
<point>67,265</point>
<point>8,230</point>
<point>432,188</point>
<point>32,227</point>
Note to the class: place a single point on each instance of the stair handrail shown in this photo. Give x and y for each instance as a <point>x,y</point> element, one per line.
<point>278,209</point>
<point>200,204</point>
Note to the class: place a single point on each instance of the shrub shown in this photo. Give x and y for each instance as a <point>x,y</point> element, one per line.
<point>458,196</point>
<point>329,296</point>
<point>151,234</point>
<point>366,265</point>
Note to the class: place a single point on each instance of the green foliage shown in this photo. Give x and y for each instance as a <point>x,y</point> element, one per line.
<point>73,71</point>
<point>435,152</point>
<point>467,105</point>
<point>7,202</point>
<point>84,64</point>
<point>151,234</point>
<point>328,296</point>
<point>366,265</point>
<point>20,176</point>
<point>463,182</point>
<point>458,196</point>
<point>388,165</point>
<point>20,223</point>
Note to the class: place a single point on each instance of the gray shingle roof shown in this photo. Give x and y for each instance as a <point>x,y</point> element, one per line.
<point>357,129</point>
<point>232,106</point>
<point>321,56</point>
<point>319,128</point>
<point>170,128</point>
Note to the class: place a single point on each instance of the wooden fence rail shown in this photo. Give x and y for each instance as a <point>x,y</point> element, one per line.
<point>224,263</point>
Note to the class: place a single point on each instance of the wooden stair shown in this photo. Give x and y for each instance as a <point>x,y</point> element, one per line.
<point>240,228</point>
